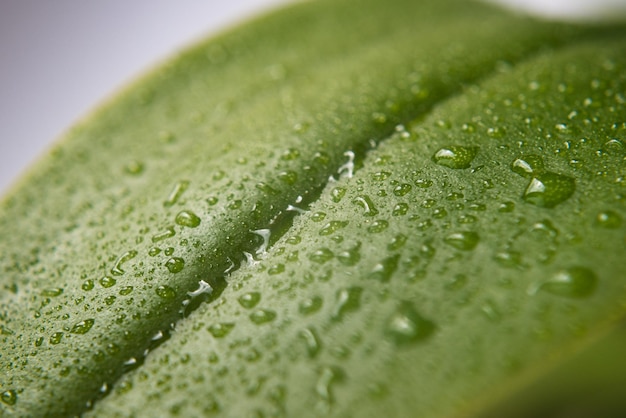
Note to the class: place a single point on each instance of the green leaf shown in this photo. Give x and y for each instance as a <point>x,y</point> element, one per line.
<point>345,208</point>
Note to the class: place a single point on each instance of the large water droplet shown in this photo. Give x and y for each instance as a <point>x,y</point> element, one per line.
<point>385,269</point>
<point>464,240</point>
<point>456,157</point>
<point>117,269</point>
<point>175,264</point>
<point>310,305</point>
<point>9,397</point>
<point>350,256</point>
<point>187,218</point>
<point>549,189</point>
<point>56,338</point>
<point>528,166</point>
<point>573,282</point>
<point>378,226</point>
<point>177,191</point>
<point>366,203</point>
<point>407,326</point>
<point>312,341</point>
<point>166,233</point>
<point>107,281</point>
<point>83,327</point>
<point>321,255</point>
<point>332,227</point>
<point>348,300</point>
<point>262,316</point>
<point>165,292</point>
<point>249,300</point>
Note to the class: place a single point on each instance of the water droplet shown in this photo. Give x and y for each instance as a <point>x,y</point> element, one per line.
<point>402,189</point>
<point>87,285</point>
<point>527,166</point>
<point>262,316</point>
<point>328,376</point>
<point>134,168</point>
<point>187,218</point>
<point>310,305</point>
<point>83,327</point>
<point>221,330</point>
<point>176,193</point>
<point>400,209</point>
<point>350,256</point>
<point>321,255</point>
<point>378,226</point>
<point>366,203</point>
<point>549,189</point>
<point>465,240</point>
<point>407,326</point>
<point>56,338</point>
<point>249,300</point>
<point>52,292</point>
<point>117,269</point>
<point>385,269</point>
<point>276,269</point>
<point>107,281</point>
<point>9,397</point>
<point>165,292</point>
<point>175,264</point>
<point>289,177</point>
<point>348,300</point>
<point>337,194</point>
<point>609,219</point>
<point>311,340</point>
<point>167,233</point>
<point>332,226</point>
<point>423,183</point>
<point>573,282</point>
<point>506,207</point>
<point>456,157</point>
<point>614,147</point>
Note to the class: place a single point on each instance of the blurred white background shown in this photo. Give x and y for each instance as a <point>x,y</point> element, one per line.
<point>59,59</point>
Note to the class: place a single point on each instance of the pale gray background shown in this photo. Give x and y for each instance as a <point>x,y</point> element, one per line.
<point>59,58</point>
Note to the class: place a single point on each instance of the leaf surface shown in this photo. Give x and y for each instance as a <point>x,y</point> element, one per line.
<point>473,235</point>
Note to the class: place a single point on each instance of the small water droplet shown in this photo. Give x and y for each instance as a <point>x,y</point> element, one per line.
<point>378,226</point>
<point>332,226</point>
<point>177,191</point>
<point>56,338</point>
<point>506,207</point>
<point>527,166</point>
<point>9,397</point>
<point>83,327</point>
<point>166,233</point>
<point>312,341</point>
<point>321,255</point>
<point>117,269</point>
<point>385,269</point>
<point>175,264</point>
<point>366,203</point>
<point>107,281</point>
<point>52,292</point>
<point>407,326</point>
<point>609,219</point>
<point>310,305</point>
<point>165,292</point>
<point>134,167</point>
<point>350,256</point>
<point>187,218</point>
<point>262,316</point>
<point>464,240</point>
<point>249,300</point>
<point>221,330</point>
<point>348,300</point>
<point>549,189</point>
<point>573,282</point>
<point>456,157</point>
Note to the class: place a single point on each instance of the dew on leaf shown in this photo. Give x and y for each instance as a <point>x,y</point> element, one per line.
<point>527,166</point>
<point>134,168</point>
<point>400,209</point>
<point>175,264</point>
<point>384,270</point>
<point>9,397</point>
<point>166,233</point>
<point>348,300</point>
<point>407,326</point>
<point>378,226</point>
<point>350,256</point>
<point>262,316</point>
<point>455,156</point>
<point>310,305</point>
<point>52,292</point>
<point>187,218</point>
<point>56,338</point>
<point>321,255</point>
<point>549,189</point>
<point>402,189</point>
<point>221,330</point>
<point>117,269</point>
<point>249,300</point>
<point>332,226</point>
<point>177,191</point>
<point>464,240</point>
<point>82,327</point>
<point>573,282</point>
<point>366,203</point>
<point>311,341</point>
<point>165,292</point>
<point>608,219</point>
<point>107,281</point>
